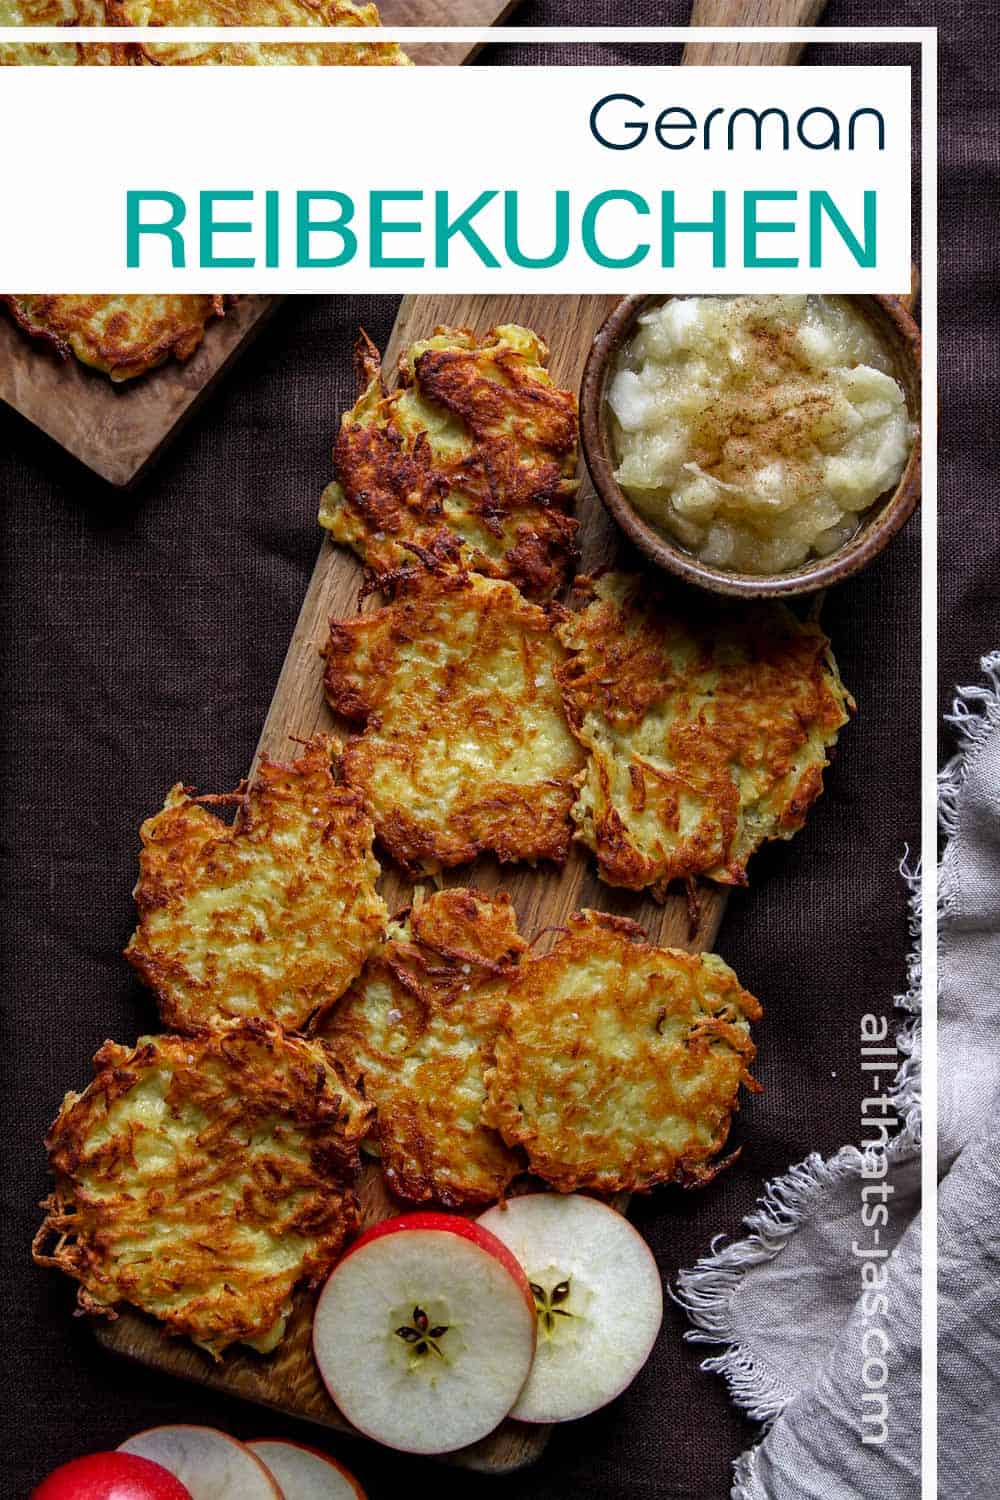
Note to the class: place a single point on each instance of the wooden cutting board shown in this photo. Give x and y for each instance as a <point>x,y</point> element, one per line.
<point>118,431</point>
<point>289,1380</point>
<point>455,13</point>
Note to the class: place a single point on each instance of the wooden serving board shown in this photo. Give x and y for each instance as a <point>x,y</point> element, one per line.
<point>288,1380</point>
<point>118,431</point>
<point>455,13</point>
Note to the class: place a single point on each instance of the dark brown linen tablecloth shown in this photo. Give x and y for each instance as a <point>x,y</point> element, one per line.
<point>143,635</point>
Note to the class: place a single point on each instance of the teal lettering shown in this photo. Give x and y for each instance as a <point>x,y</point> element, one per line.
<point>134,226</point>
<point>208,229</point>
<point>271,229</point>
<point>445,229</point>
<point>512,245</point>
<point>752,227</point>
<point>305,225</point>
<point>589,230</point>
<point>715,226</point>
<point>820,203</point>
<point>379,227</point>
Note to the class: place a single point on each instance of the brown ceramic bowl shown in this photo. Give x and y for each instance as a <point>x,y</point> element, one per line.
<point>901,337</point>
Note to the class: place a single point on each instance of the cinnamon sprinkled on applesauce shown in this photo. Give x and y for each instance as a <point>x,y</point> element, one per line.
<point>757,430</point>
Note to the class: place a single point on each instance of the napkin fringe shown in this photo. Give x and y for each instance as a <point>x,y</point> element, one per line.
<point>745,1476</point>
<point>905,1093</point>
<point>975,714</point>
<point>707,1291</point>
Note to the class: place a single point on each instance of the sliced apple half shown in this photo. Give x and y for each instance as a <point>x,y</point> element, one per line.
<point>425,1332</point>
<point>305,1473</point>
<point>598,1298</point>
<point>211,1464</point>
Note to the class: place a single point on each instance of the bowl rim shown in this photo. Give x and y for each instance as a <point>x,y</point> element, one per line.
<point>862,548</point>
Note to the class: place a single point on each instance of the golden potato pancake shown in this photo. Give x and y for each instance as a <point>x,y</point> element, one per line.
<point>419,1026</point>
<point>257,13</point>
<point>465,747</point>
<point>272,916</point>
<point>61,54</point>
<point>195,13</point>
<point>121,336</point>
<point>203,1178</point>
<point>470,458</point>
<point>706,733</point>
<point>618,1063</point>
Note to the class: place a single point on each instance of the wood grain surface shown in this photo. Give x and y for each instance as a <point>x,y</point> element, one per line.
<point>119,430</point>
<point>750,13</point>
<point>289,1380</point>
<point>454,13</point>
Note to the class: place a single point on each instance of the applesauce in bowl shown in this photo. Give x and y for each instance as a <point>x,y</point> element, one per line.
<point>756,444</point>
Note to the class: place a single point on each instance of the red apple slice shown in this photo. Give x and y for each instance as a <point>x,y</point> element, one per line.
<point>598,1296</point>
<point>211,1464</point>
<point>305,1473</point>
<point>425,1332</point>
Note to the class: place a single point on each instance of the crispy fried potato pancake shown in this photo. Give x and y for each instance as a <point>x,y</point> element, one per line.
<point>470,458</point>
<point>618,1063</point>
<point>196,13</point>
<point>466,746</point>
<point>257,13</point>
<point>706,735</point>
<point>123,336</point>
<point>271,917</point>
<point>57,13</point>
<point>420,1025</point>
<point>203,1178</point>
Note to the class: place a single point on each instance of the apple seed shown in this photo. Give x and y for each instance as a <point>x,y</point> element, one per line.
<point>420,1336</point>
<point>548,1304</point>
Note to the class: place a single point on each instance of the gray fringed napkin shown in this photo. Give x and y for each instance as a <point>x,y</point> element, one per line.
<point>831,1362</point>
